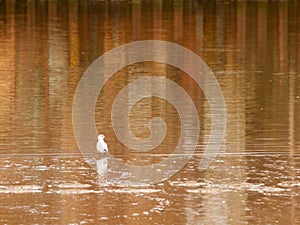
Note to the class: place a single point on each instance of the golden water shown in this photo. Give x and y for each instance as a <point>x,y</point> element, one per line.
<point>253,49</point>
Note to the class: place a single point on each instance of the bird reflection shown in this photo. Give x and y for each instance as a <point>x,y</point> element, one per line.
<point>102,165</point>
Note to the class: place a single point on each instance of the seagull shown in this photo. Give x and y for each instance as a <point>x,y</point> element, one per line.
<point>101,145</point>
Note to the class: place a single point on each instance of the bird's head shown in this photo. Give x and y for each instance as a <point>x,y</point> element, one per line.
<point>101,137</point>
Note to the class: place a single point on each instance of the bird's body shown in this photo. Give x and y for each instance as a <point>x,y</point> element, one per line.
<point>101,145</point>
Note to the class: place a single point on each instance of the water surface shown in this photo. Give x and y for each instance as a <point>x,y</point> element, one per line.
<point>253,49</point>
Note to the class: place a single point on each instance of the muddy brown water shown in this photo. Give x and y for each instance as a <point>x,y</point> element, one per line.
<point>252,48</point>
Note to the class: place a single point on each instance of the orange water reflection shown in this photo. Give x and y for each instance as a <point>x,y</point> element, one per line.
<point>253,48</point>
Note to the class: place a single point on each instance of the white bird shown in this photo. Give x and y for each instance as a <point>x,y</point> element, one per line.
<point>101,145</point>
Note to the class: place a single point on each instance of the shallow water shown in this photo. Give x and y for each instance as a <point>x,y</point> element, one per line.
<point>252,48</point>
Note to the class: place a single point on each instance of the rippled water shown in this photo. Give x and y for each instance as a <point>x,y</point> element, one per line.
<point>253,49</point>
